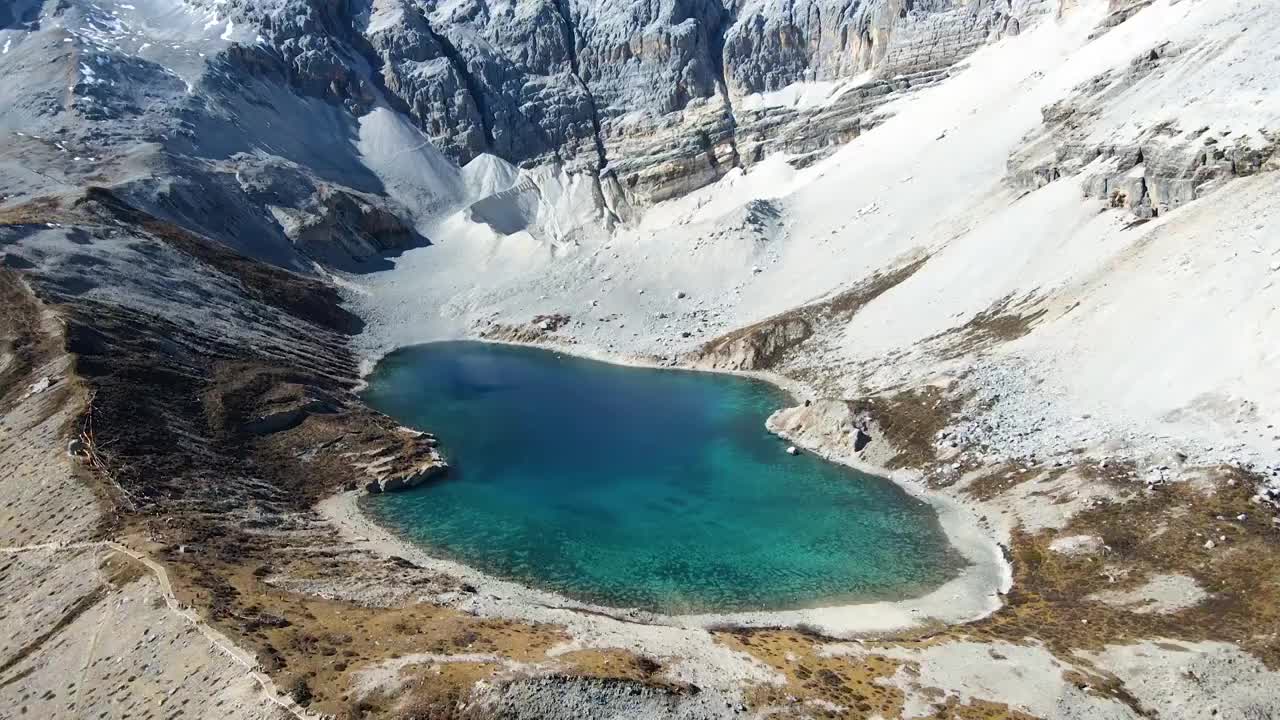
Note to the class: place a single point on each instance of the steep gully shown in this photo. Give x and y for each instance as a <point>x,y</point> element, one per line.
<point>459,65</point>
<point>571,44</point>
<point>726,21</point>
<point>475,89</point>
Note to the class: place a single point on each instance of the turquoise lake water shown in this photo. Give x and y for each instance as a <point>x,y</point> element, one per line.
<point>642,488</point>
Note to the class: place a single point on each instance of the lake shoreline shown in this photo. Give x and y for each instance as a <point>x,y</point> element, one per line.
<point>975,593</point>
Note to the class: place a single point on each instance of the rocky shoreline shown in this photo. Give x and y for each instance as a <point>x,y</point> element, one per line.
<point>974,594</point>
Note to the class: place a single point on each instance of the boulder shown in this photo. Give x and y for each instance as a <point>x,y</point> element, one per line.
<point>860,440</point>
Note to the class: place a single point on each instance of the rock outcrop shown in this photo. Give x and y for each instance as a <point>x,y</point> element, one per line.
<point>756,347</point>
<point>542,328</point>
<point>1149,170</point>
<point>832,428</point>
<point>770,47</point>
<point>770,343</point>
<point>336,224</point>
<point>407,462</point>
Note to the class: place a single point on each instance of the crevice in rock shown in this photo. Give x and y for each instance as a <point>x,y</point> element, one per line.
<point>459,65</point>
<point>571,44</point>
<point>365,49</point>
<point>717,37</point>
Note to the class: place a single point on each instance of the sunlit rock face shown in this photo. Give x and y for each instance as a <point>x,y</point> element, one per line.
<point>250,105</point>
<point>649,96</point>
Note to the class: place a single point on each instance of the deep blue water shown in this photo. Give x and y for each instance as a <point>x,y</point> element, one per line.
<point>643,488</point>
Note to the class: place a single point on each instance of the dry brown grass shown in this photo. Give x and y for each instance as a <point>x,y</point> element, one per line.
<point>439,693</point>
<point>322,643</point>
<point>613,663</point>
<point>443,694</point>
<point>768,343</point>
<point>22,342</point>
<point>1119,474</point>
<point>851,682</point>
<point>849,687</point>
<point>1162,532</point>
<point>911,419</point>
<point>999,480</point>
<point>328,643</point>
<point>35,211</point>
<point>1007,319</point>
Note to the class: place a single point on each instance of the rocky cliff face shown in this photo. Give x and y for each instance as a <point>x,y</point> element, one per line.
<point>650,97</point>
<point>773,44</point>
<point>222,115</point>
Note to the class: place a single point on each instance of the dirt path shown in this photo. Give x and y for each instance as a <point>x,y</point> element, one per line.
<point>245,659</point>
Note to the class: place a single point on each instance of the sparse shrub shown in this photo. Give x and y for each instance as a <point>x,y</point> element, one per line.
<point>300,691</point>
<point>647,665</point>
<point>810,630</point>
<point>356,710</point>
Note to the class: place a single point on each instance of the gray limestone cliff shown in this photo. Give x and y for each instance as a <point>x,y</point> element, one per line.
<point>247,119</point>
<point>647,95</point>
